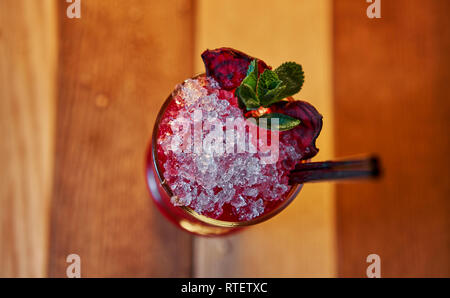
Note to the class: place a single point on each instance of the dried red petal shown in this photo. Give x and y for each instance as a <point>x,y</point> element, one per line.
<point>229,66</point>
<point>309,129</point>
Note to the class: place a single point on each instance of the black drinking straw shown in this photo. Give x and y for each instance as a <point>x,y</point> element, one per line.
<point>335,170</point>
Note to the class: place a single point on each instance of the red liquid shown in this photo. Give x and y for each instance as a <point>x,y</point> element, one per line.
<point>162,192</point>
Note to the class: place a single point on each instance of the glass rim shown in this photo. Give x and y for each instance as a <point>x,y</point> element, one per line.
<point>292,194</point>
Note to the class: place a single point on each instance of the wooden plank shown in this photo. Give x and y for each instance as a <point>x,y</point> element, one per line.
<point>118,63</point>
<point>391,97</point>
<point>27,98</point>
<point>300,241</point>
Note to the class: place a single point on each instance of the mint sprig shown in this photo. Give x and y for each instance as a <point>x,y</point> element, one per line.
<point>271,87</point>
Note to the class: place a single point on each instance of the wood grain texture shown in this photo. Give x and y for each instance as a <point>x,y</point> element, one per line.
<point>27,100</point>
<point>300,241</point>
<point>117,65</point>
<point>392,97</point>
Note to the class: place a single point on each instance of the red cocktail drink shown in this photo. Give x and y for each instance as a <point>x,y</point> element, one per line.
<point>210,192</point>
<point>229,148</point>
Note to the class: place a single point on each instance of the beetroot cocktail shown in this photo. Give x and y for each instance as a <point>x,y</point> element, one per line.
<point>230,147</point>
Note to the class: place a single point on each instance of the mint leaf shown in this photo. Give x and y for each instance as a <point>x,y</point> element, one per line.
<point>272,96</point>
<point>246,92</point>
<point>248,96</point>
<point>240,102</point>
<point>284,122</point>
<point>268,80</point>
<point>252,75</point>
<point>292,76</point>
<point>269,88</point>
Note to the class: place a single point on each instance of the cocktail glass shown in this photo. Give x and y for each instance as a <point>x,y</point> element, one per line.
<point>188,220</point>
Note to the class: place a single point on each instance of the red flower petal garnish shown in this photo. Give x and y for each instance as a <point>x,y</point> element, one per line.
<point>229,66</point>
<point>309,129</point>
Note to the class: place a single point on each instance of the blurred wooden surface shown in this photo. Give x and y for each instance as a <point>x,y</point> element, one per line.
<point>300,241</point>
<point>27,98</point>
<point>392,97</point>
<point>117,64</point>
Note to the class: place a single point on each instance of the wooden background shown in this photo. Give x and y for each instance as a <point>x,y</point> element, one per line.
<point>391,97</point>
<point>78,99</point>
<point>28,50</point>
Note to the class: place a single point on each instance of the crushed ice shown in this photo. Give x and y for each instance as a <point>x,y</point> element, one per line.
<point>206,181</point>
